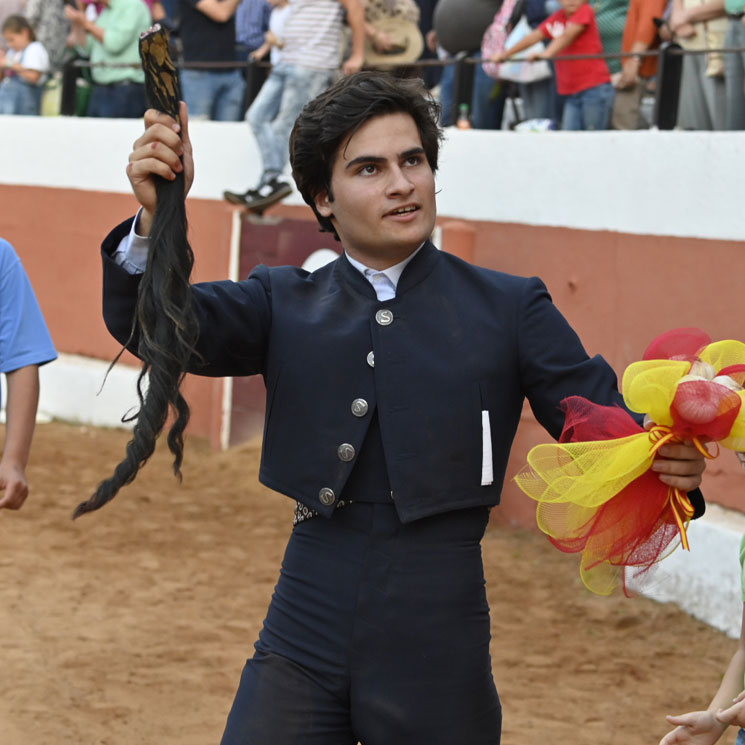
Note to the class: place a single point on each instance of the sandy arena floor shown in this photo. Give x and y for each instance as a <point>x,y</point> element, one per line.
<point>131,625</point>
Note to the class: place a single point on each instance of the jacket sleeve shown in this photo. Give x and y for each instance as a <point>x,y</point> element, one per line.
<point>554,365</point>
<point>234,317</point>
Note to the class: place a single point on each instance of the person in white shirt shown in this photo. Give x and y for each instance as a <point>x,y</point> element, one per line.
<point>311,57</point>
<point>24,68</point>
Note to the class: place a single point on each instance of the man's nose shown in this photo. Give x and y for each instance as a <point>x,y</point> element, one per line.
<point>399,182</point>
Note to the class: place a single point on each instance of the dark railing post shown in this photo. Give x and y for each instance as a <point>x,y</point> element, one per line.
<point>669,73</point>
<point>462,84</point>
<point>69,88</point>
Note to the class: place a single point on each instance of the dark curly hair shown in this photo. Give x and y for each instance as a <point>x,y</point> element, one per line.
<point>332,117</point>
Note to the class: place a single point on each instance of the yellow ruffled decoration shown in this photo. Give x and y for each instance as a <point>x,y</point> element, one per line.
<point>586,474</point>
<point>574,481</point>
<point>649,387</point>
<point>723,354</point>
<point>736,438</point>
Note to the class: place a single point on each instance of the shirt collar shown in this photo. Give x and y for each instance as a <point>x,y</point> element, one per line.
<point>392,272</point>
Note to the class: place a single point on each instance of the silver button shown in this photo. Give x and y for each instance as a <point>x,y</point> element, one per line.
<point>359,407</point>
<point>371,359</point>
<point>384,317</point>
<point>345,451</point>
<point>326,496</point>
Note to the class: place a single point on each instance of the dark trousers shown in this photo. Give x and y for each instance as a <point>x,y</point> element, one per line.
<point>377,632</point>
<point>119,100</point>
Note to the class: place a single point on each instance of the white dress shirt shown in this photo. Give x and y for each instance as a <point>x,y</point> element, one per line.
<point>131,255</point>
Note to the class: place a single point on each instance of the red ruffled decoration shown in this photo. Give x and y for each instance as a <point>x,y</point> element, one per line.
<point>635,528</point>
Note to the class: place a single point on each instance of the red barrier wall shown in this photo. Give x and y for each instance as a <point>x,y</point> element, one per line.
<point>617,290</point>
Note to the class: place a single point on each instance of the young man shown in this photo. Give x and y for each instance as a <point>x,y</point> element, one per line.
<point>395,379</point>
<point>311,48</point>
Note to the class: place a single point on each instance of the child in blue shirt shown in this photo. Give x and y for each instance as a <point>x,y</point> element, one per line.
<point>25,344</point>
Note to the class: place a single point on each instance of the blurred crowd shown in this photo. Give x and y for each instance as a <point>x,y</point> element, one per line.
<point>258,58</point>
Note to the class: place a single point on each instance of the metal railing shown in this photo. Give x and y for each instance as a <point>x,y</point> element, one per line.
<point>667,92</point>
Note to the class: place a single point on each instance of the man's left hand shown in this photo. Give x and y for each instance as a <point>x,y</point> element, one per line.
<point>680,466</point>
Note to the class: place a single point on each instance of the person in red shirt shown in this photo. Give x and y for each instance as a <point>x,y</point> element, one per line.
<point>586,82</point>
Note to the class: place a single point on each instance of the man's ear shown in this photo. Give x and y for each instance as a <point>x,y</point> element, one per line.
<point>323,204</point>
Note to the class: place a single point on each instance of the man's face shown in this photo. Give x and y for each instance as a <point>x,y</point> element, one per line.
<point>384,192</point>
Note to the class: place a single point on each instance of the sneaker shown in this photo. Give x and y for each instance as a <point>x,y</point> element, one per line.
<point>269,193</point>
<point>235,197</point>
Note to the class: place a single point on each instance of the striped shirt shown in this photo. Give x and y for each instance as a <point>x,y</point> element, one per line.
<point>313,34</point>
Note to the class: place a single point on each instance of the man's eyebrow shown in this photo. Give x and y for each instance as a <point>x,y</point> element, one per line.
<point>412,151</point>
<point>364,159</point>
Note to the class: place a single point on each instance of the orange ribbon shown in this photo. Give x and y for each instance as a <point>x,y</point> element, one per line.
<point>680,505</point>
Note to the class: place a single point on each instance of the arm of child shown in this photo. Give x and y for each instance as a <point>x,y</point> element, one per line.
<point>706,727</point>
<point>572,31</point>
<point>25,73</point>
<point>23,399</point>
<point>527,41</point>
<point>735,714</point>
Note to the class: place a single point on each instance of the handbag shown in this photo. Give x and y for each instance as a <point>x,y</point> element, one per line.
<point>524,72</point>
<point>495,37</point>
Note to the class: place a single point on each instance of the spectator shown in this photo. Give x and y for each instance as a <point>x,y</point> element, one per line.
<point>539,98</point>
<point>310,59</point>
<point>109,41</point>
<point>703,103</point>
<point>274,37</point>
<point>734,37</point>
<point>251,23</point>
<point>207,31</point>
<point>430,74</point>
<point>639,36</point>
<point>26,64</point>
<point>586,82</point>
<point>380,15</point>
<point>24,346</point>
<point>610,16</point>
<point>459,26</point>
<point>48,20</point>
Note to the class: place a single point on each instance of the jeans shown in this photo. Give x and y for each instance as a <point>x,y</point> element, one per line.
<point>19,97</point>
<point>274,110</point>
<point>487,102</point>
<point>741,734</point>
<point>589,109</point>
<point>486,106</point>
<point>117,101</point>
<point>539,99</point>
<point>216,95</point>
<point>447,80</point>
